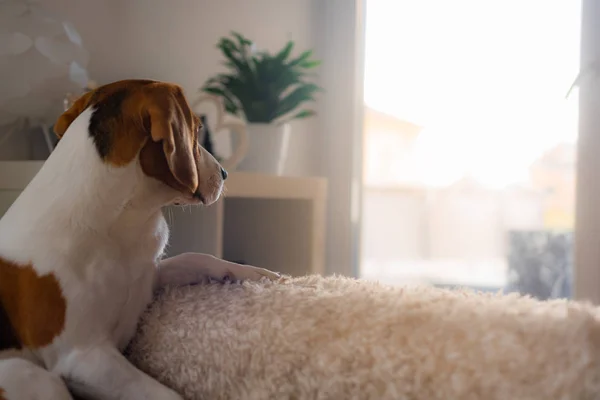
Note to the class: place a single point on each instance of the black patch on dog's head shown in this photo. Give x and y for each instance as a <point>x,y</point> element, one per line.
<point>104,119</point>
<point>8,337</point>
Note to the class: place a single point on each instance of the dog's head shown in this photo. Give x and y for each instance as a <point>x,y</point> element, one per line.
<point>150,122</point>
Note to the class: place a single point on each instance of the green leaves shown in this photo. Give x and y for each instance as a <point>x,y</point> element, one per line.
<point>303,92</point>
<point>304,114</point>
<point>261,86</point>
<point>285,53</point>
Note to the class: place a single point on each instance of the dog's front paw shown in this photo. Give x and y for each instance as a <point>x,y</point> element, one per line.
<point>255,274</point>
<point>193,268</point>
<point>241,272</point>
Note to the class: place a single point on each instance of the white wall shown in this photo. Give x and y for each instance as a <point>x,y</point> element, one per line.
<point>174,40</point>
<point>340,42</point>
<point>587,223</point>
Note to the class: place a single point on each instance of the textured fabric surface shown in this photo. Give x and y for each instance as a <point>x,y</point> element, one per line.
<point>339,338</point>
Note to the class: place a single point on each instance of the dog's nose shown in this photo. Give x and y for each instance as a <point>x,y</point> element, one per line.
<point>224,173</point>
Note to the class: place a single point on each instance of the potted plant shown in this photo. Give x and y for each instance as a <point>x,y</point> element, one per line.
<point>267,91</point>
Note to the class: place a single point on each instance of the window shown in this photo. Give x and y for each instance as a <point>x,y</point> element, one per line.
<point>470,143</point>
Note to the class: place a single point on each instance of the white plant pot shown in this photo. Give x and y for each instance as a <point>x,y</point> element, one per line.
<point>267,148</point>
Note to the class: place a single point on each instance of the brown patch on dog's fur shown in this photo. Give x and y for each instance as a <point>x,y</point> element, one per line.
<point>128,114</point>
<point>154,164</point>
<point>34,306</point>
<point>2,394</point>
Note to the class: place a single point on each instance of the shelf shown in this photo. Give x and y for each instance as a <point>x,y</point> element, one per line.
<point>258,186</point>
<point>15,175</point>
<point>275,222</point>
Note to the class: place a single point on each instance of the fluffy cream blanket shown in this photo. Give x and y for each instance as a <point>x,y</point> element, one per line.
<point>339,338</point>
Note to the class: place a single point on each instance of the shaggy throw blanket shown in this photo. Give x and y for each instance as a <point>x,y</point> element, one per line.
<point>339,338</point>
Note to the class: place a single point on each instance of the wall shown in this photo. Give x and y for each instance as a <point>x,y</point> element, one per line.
<point>587,219</point>
<point>340,42</point>
<point>175,41</point>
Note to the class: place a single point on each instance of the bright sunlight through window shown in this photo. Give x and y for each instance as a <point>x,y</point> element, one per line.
<point>486,79</point>
<point>469,155</point>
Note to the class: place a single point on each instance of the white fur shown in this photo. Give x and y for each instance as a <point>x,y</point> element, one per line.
<point>99,229</point>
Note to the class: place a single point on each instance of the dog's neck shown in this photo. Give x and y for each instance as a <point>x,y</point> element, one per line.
<point>76,192</point>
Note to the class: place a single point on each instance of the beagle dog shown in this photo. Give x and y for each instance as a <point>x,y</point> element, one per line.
<point>81,248</point>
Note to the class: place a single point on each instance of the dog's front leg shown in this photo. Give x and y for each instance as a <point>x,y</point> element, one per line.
<point>192,268</point>
<point>102,373</point>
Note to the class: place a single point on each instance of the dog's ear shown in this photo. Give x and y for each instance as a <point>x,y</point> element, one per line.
<point>65,120</point>
<point>167,125</point>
